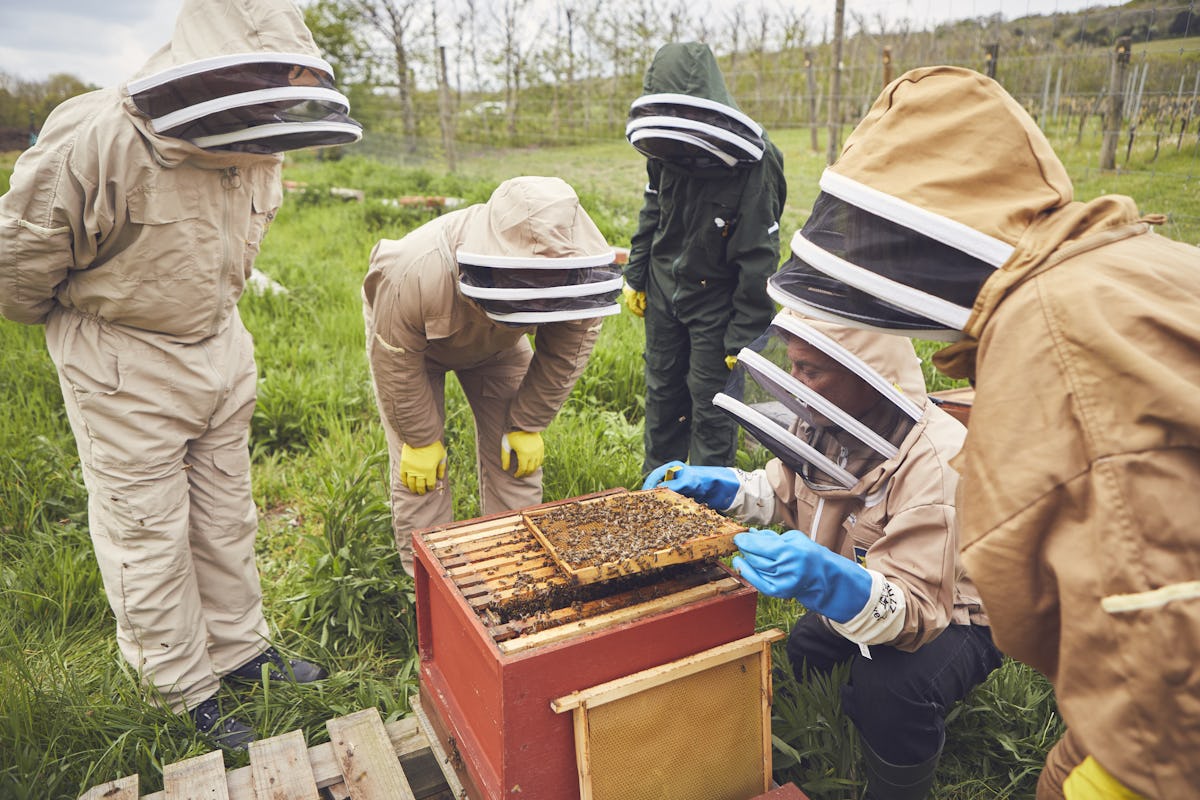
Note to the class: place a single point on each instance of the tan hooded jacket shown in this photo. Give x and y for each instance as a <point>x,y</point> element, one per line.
<point>1080,506</point>
<point>422,320</point>
<point>899,520</point>
<point>110,219</point>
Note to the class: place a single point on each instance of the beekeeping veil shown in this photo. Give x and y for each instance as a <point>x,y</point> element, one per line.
<point>686,115</point>
<point>532,255</point>
<point>827,445</point>
<point>243,75</point>
<point>937,188</point>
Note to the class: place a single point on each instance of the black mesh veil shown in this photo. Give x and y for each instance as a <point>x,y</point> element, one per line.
<point>846,260</point>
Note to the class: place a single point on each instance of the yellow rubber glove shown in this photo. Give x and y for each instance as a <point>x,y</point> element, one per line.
<point>1090,781</point>
<point>635,300</point>
<point>731,361</point>
<point>422,467</point>
<point>529,449</point>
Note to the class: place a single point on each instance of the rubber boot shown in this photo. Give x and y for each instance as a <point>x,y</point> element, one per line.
<point>888,781</point>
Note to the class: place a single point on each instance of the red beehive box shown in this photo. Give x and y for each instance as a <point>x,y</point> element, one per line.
<point>502,633</point>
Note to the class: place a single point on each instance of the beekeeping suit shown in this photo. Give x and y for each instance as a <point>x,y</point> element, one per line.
<point>461,294</point>
<point>129,231</point>
<point>706,241</point>
<point>1079,325</point>
<point>862,478</point>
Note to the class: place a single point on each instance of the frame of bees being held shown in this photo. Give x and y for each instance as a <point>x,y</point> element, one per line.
<point>607,537</point>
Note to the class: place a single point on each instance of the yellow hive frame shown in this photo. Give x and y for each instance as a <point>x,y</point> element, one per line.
<point>705,720</point>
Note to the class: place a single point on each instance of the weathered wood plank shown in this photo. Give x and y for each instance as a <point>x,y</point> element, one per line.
<point>404,734</point>
<point>675,670</point>
<point>199,778</point>
<point>441,757</point>
<point>121,789</point>
<point>365,755</point>
<point>280,770</point>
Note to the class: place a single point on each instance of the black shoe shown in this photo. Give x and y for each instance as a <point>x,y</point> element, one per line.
<point>230,733</point>
<point>293,671</point>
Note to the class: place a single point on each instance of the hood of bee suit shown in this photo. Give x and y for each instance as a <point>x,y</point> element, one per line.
<point>686,115</point>
<point>830,445</point>
<point>532,255</point>
<point>947,185</point>
<point>242,75</point>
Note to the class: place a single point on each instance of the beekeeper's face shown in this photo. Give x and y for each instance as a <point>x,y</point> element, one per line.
<point>827,377</point>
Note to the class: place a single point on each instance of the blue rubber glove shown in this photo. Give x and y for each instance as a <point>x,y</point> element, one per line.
<point>793,565</point>
<point>714,486</point>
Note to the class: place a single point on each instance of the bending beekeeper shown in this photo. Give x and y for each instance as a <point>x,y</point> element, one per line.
<point>129,231</point>
<point>1079,327</point>
<point>707,240</point>
<point>463,294</point>
<point>862,479</point>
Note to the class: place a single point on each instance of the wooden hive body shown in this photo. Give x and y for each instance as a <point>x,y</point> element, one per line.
<point>488,686</point>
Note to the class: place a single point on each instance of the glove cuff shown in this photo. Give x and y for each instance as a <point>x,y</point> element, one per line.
<point>881,620</point>
<point>754,502</point>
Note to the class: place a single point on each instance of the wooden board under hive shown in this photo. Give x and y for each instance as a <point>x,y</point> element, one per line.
<point>502,631</point>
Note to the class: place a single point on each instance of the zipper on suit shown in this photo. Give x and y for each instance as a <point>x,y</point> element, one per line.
<point>231,180</point>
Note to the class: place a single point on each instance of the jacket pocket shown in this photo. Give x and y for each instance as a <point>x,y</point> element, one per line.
<point>172,236</point>
<point>264,205</point>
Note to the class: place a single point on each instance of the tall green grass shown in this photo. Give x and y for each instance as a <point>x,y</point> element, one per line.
<point>71,713</point>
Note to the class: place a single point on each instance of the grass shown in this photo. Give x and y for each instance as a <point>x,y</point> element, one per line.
<point>71,714</point>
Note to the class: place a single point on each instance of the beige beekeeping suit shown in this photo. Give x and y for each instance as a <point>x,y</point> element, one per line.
<point>899,519</point>
<point>133,249</point>
<point>1079,504</point>
<point>420,326</point>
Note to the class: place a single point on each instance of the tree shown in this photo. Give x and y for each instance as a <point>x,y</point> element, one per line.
<point>400,24</point>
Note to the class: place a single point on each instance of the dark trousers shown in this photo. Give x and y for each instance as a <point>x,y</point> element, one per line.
<point>685,368</point>
<point>898,700</point>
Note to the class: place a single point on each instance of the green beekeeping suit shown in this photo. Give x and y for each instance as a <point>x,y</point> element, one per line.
<point>706,242</point>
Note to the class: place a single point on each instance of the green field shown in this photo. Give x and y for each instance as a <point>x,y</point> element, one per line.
<point>71,714</point>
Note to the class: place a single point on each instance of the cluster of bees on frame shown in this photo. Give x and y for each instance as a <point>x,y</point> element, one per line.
<point>623,528</point>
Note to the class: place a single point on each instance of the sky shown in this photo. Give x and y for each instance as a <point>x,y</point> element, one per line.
<point>104,42</point>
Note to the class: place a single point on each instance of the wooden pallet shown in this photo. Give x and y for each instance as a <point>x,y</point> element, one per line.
<point>363,760</point>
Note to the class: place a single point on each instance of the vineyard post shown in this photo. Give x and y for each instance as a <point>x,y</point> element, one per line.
<point>835,89</point>
<point>1187,117</point>
<point>1116,104</point>
<point>812,99</point>
<point>446,107</point>
<point>991,54</point>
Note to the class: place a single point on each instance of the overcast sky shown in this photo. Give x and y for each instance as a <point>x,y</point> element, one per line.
<point>106,41</point>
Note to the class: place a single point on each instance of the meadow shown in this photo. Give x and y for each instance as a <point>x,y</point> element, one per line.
<point>71,712</point>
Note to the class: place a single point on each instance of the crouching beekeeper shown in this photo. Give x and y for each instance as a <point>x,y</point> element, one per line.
<point>129,232</point>
<point>862,477</point>
<point>1079,326</point>
<point>463,294</point>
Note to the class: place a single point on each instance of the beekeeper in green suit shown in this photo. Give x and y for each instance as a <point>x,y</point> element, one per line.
<point>706,242</point>
<point>129,232</point>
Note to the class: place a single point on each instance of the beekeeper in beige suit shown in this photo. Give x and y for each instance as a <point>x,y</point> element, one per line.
<point>862,478</point>
<point>1081,329</point>
<point>129,232</point>
<point>462,294</point>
